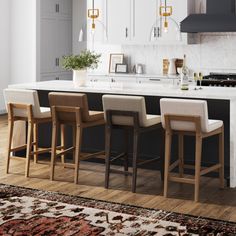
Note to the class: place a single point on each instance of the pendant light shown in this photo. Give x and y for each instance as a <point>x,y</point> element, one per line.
<point>162,25</point>
<point>93,19</point>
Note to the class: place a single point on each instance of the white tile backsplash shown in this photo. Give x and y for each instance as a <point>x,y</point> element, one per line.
<point>216,52</point>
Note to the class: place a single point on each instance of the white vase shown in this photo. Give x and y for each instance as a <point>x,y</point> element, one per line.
<point>79,78</point>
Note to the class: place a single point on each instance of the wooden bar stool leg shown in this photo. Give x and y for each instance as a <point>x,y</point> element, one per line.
<point>126,160</point>
<point>78,142</point>
<point>198,157</point>
<point>10,136</point>
<point>135,159</point>
<point>168,143</point>
<point>35,142</point>
<point>54,146</point>
<point>181,154</point>
<point>29,147</point>
<point>63,143</point>
<point>221,158</point>
<point>162,154</point>
<point>74,140</point>
<point>108,133</point>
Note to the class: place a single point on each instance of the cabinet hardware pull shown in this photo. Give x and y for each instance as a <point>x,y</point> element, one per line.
<point>155,32</point>
<point>57,62</point>
<point>126,32</point>
<point>158,32</point>
<point>57,8</point>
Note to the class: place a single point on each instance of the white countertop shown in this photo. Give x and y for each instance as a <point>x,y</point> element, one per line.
<point>148,89</point>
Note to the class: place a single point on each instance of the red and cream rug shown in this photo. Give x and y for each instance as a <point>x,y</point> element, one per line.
<point>26,212</point>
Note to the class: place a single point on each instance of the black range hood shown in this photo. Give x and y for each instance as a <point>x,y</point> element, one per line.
<point>220,17</point>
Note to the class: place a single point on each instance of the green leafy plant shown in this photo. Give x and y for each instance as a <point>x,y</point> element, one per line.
<point>85,60</point>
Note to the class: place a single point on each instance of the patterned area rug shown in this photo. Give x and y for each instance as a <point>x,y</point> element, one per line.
<point>25,212</point>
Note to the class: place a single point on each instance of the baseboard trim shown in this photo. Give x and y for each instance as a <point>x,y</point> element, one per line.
<point>3,111</point>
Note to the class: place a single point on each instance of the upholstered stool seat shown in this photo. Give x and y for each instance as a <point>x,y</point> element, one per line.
<point>23,105</point>
<point>190,117</point>
<point>72,109</point>
<point>127,113</point>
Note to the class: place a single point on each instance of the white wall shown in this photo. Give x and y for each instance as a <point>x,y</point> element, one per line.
<point>23,41</point>
<point>4,49</point>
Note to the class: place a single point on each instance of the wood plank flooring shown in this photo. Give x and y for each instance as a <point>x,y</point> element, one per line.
<point>214,203</point>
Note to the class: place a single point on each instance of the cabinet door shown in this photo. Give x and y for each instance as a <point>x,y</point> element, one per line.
<point>48,45</point>
<point>64,39</point>
<point>144,15</point>
<point>48,8</point>
<point>65,8</point>
<point>48,77</point>
<point>119,20</point>
<point>56,8</point>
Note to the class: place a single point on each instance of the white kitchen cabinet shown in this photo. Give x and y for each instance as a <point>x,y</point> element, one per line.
<point>56,76</point>
<point>55,8</point>
<point>181,9</point>
<point>55,35</point>
<point>144,16</point>
<point>118,21</point>
<point>138,22</point>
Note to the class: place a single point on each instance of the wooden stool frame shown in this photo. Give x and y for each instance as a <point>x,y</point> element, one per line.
<point>199,136</point>
<point>32,134</point>
<point>137,131</point>
<point>78,125</point>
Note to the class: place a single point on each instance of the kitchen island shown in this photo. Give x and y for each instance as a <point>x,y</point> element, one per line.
<point>221,105</point>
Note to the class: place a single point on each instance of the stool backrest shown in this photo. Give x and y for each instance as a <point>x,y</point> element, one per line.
<point>185,107</point>
<point>125,103</point>
<point>24,97</point>
<point>76,100</point>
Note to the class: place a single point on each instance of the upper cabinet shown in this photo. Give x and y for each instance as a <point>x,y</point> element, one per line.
<point>55,8</point>
<point>144,16</point>
<point>119,28</point>
<point>138,22</point>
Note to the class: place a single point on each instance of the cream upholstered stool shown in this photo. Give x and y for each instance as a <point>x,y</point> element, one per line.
<point>72,109</point>
<point>190,117</point>
<point>23,105</point>
<point>127,112</point>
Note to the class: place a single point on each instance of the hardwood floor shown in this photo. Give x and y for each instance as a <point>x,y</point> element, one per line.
<point>214,203</point>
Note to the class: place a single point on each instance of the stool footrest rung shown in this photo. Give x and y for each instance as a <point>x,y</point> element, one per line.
<point>117,157</point>
<point>142,162</point>
<point>18,148</point>
<point>65,151</point>
<point>210,169</point>
<point>41,151</point>
<point>85,156</point>
<point>181,180</point>
<point>173,165</point>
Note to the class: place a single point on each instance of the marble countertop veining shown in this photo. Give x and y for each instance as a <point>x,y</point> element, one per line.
<point>149,89</point>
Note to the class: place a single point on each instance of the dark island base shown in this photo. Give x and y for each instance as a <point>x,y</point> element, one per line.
<point>93,139</point>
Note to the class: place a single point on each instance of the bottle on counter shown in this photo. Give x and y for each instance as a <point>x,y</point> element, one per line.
<point>184,76</point>
<point>200,79</point>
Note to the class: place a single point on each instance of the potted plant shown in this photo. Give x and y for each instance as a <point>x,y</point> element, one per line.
<point>79,65</point>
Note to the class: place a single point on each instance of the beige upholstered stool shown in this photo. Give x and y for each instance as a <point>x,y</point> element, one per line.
<point>127,112</point>
<point>72,109</point>
<point>23,105</point>
<point>190,117</point>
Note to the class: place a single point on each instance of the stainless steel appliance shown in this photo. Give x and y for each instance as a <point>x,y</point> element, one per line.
<point>219,80</point>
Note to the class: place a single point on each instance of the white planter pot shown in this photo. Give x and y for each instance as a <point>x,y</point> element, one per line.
<point>79,78</point>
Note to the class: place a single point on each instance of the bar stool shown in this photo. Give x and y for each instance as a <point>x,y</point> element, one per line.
<point>190,117</point>
<point>23,105</point>
<point>127,113</point>
<point>72,109</point>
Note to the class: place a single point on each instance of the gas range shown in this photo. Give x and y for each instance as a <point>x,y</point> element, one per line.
<point>219,80</point>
